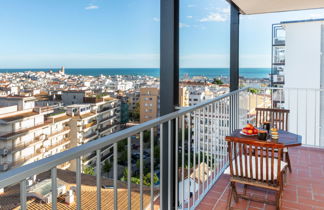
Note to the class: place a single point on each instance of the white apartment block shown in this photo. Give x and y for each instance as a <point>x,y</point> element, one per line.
<point>211,125</point>
<point>304,69</point>
<point>122,85</point>
<point>91,121</point>
<point>26,135</point>
<point>199,94</point>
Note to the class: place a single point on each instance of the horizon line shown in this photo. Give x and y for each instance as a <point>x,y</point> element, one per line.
<point>42,68</point>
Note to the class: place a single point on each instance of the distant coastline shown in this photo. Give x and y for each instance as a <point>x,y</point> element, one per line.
<point>191,72</point>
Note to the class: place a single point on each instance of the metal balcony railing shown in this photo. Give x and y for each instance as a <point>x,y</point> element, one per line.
<point>306,111</point>
<point>199,158</point>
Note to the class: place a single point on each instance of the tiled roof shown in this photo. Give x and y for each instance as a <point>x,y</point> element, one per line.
<point>10,199</point>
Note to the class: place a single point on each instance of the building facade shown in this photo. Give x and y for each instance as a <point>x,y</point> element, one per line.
<point>149,103</point>
<point>92,120</point>
<point>297,65</point>
<point>29,133</point>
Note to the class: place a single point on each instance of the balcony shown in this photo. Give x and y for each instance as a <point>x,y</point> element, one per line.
<point>105,128</point>
<point>173,127</point>
<point>107,108</point>
<point>304,188</point>
<point>21,132</point>
<point>278,79</point>
<point>90,124</point>
<point>90,137</point>
<point>53,146</point>
<point>107,118</point>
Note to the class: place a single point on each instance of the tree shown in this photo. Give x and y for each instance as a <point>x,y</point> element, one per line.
<point>138,163</point>
<point>156,154</point>
<point>107,166</point>
<point>254,90</point>
<point>137,180</point>
<point>146,136</point>
<point>89,170</point>
<point>125,175</point>
<point>121,145</point>
<point>135,114</point>
<point>122,159</point>
<point>147,179</point>
<point>217,81</point>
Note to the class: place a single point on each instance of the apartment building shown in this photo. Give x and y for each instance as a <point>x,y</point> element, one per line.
<point>74,97</point>
<point>133,99</point>
<point>149,103</point>
<point>120,84</point>
<point>29,133</point>
<point>183,97</point>
<point>199,94</point>
<point>95,118</point>
<point>298,62</point>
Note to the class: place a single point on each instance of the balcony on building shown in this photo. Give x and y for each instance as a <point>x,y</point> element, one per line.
<point>191,139</point>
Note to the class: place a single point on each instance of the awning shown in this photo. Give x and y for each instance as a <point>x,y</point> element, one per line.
<point>250,7</point>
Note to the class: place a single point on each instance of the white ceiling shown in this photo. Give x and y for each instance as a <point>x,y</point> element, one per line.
<point>269,6</point>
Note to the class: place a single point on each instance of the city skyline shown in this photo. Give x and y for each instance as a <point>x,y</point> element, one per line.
<point>125,34</point>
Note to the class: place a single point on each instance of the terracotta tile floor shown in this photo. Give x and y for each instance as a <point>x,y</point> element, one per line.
<point>304,188</point>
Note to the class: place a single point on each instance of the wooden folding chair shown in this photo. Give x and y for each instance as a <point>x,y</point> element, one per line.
<point>263,169</point>
<point>278,118</point>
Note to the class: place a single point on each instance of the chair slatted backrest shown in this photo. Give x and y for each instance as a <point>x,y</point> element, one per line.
<point>277,117</point>
<point>266,164</point>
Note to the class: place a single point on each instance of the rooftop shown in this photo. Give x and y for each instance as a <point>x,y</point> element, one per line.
<point>62,118</point>
<point>18,116</point>
<point>84,116</point>
<point>10,200</point>
<point>302,21</point>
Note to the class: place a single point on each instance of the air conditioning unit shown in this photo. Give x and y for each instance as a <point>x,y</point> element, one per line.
<point>4,151</point>
<point>4,167</point>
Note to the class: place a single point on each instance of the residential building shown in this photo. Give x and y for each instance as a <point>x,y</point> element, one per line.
<point>300,45</point>
<point>183,97</point>
<point>199,94</point>
<point>73,97</point>
<point>133,99</point>
<point>149,103</point>
<point>29,133</point>
<point>90,121</point>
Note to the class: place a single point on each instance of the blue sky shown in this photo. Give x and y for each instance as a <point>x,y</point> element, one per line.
<point>125,33</point>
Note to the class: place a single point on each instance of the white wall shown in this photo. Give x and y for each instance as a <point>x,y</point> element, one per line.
<point>303,53</point>
<point>73,97</point>
<point>303,70</point>
<point>8,109</point>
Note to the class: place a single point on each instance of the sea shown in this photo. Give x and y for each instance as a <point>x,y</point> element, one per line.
<point>155,72</point>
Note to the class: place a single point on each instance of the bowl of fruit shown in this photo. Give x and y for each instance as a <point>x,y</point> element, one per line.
<point>249,130</point>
